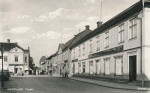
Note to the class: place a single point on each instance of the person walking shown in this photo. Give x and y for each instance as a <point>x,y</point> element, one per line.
<point>66,74</point>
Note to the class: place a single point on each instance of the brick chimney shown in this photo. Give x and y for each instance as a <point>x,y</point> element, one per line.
<point>16,43</point>
<point>8,40</point>
<point>87,27</point>
<point>99,23</point>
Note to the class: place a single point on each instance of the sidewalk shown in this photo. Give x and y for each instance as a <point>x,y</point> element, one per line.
<point>111,84</point>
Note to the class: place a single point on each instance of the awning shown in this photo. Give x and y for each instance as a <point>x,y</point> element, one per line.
<point>27,68</point>
<point>16,64</point>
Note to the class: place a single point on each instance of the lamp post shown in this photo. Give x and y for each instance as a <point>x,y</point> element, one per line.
<point>2,51</point>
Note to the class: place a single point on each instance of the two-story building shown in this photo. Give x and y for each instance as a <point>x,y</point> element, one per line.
<point>117,49</point>
<point>15,58</point>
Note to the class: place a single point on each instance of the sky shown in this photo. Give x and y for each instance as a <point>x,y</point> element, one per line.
<point>43,24</point>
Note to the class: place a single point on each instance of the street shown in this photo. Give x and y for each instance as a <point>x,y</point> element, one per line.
<point>55,85</point>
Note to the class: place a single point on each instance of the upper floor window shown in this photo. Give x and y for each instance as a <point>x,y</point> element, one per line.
<point>25,59</point>
<point>90,46</point>
<point>97,43</point>
<point>74,53</point>
<point>5,58</point>
<point>121,33</point>
<point>16,58</point>
<point>79,51</point>
<point>132,28</point>
<point>83,49</point>
<point>107,39</point>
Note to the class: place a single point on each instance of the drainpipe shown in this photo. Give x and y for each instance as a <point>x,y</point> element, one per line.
<point>141,20</point>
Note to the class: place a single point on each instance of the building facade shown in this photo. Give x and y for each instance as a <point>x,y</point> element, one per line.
<point>118,49</point>
<point>15,58</point>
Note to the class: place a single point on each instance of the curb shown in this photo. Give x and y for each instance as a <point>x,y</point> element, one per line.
<point>138,89</point>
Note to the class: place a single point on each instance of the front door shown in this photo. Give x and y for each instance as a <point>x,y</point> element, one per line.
<point>16,70</point>
<point>132,68</point>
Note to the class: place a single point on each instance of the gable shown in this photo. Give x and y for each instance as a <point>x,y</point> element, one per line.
<point>16,49</point>
<point>59,50</point>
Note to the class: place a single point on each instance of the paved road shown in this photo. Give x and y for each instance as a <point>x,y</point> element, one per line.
<point>55,85</point>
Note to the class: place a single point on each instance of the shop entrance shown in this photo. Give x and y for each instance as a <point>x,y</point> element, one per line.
<point>132,68</point>
<point>16,70</point>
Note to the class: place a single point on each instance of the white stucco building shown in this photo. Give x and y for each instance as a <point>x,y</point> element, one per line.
<point>15,58</point>
<point>117,49</point>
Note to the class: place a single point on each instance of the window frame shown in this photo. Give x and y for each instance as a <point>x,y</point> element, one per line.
<point>105,60</point>
<point>133,26</point>
<point>97,43</point>
<point>16,59</point>
<point>5,59</point>
<point>107,39</point>
<point>83,49</point>
<point>25,59</point>
<point>121,33</point>
<point>91,46</point>
<point>118,57</point>
<point>79,51</point>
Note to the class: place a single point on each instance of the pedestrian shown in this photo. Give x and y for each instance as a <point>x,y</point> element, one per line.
<point>66,74</point>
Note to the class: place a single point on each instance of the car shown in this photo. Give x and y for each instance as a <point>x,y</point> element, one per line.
<point>6,75</point>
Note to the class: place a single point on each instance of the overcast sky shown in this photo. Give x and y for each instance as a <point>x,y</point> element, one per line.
<point>43,24</point>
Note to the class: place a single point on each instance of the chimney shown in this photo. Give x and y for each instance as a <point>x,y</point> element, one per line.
<point>8,40</point>
<point>16,43</point>
<point>29,48</point>
<point>87,27</point>
<point>99,23</point>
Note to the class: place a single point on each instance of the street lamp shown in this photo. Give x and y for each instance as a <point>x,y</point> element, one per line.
<point>2,51</point>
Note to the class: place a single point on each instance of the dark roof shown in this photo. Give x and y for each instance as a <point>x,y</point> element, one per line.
<point>26,50</point>
<point>50,57</point>
<point>61,46</point>
<point>9,46</point>
<point>67,44</point>
<point>78,37</point>
<point>43,58</point>
<point>115,20</point>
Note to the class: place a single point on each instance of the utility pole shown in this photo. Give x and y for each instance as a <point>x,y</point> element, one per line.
<point>2,50</point>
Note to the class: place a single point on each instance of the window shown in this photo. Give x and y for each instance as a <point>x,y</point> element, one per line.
<point>98,66</point>
<point>97,43</point>
<point>79,67</point>
<point>132,28</point>
<point>79,51</point>
<point>119,65</point>
<point>16,49</point>
<point>121,33</point>
<point>74,53</point>
<point>91,67</point>
<point>90,46</point>
<point>16,58</point>
<point>107,69</point>
<point>107,39</point>
<point>5,58</point>
<point>83,49</point>
<point>83,67</point>
<point>25,59</point>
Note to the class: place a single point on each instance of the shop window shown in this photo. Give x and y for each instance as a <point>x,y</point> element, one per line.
<point>107,66</point>
<point>119,65</point>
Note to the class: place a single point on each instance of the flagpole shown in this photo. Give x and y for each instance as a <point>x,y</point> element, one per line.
<point>142,42</point>
<point>2,51</point>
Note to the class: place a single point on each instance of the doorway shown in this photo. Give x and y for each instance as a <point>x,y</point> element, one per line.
<point>132,68</point>
<point>16,70</point>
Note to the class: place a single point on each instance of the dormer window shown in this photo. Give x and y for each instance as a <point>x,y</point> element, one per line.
<point>16,49</point>
<point>16,58</point>
<point>25,59</point>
